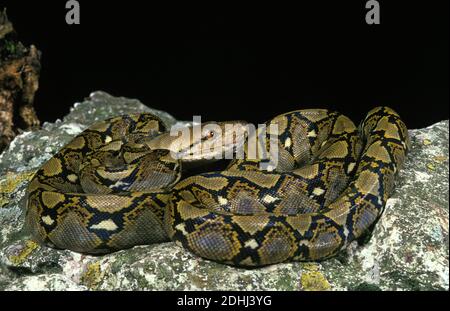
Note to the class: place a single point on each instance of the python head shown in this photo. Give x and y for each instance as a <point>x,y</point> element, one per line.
<point>208,141</point>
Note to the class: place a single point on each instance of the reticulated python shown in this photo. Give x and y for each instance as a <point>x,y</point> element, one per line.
<point>115,185</point>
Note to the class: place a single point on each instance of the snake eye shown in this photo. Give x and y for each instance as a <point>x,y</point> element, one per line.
<point>210,134</point>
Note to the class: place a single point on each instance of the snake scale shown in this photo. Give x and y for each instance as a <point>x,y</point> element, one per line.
<point>116,185</point>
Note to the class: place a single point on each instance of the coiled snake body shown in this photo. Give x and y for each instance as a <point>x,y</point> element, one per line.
<point>115,186</point>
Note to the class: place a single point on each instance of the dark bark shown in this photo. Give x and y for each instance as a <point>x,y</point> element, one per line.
<point>19,81</point>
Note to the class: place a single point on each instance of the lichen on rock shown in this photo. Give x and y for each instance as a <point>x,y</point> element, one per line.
<point>408,249</point>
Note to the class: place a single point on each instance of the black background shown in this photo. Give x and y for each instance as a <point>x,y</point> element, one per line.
<point>115,300</point>
<point>230,62</point>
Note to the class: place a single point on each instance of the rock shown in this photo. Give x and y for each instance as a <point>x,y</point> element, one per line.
<point>408,249</point>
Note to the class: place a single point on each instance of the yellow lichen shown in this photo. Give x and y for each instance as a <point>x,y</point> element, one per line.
<point>426,142</point>
<point>9,183</point>
<point>313,280</point>
<point>92,276</point>
<point>440,158</point>
<point>26,251</point>
<point>431,166</point>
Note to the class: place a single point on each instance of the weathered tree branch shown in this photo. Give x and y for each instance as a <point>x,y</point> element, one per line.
<point>19,81</point>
